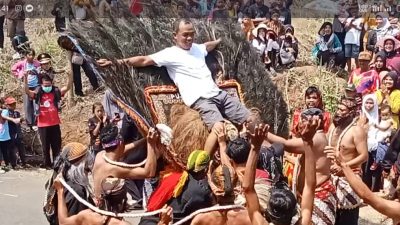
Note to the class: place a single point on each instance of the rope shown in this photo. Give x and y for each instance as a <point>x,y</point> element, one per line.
<point>209,209</point>
<point>121,164</point>
<point>107,213</point>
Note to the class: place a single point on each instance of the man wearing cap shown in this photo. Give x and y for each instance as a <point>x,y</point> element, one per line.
<point>15,129</point>
<point>351,140</point>
<point>366,81</point>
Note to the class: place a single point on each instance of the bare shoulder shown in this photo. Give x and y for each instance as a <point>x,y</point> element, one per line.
<point>358,131</point>
<point>209,218</point>
<point>89,217</point>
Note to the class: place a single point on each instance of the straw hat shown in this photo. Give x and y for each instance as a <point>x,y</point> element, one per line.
<point>75,150</point>
<point>260,26</point>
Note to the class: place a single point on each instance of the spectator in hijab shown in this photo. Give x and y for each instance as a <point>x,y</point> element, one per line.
<point>388,94</point>
<point>384,27</point>
<point>389,45</point>
<point>328,50</point>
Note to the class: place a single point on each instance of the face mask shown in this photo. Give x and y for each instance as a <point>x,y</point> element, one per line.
<point>47,89</point>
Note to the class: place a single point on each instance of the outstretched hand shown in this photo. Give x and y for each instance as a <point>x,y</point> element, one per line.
<point>219,131</point>
<point>259,135</point>
<point>104,62</point>
<point>310,128</point>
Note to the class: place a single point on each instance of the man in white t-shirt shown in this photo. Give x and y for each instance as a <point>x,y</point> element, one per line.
<point>186,66</point>
<point>352,40</point>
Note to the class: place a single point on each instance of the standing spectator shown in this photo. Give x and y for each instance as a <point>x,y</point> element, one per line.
<point>15,129</point>
<point>104,8</point>
<point>59,13</point>
<point>258,10</point>
<point>353,25</point>
<point>220,12</point>
<point>15,18</point>
<point>5,140</point>
<point>96,124</point>
<point>28,66</point>
<point>327,50</point>
<point>193,9</point>
<point>284,16</point>
<point>2,18</point>
<point>383,27</point>
<point>82,9</point>
<point>48,98</point>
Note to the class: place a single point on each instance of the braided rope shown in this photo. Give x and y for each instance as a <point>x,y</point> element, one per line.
<point>209,209</point>
<point>121,164</point>
<point>107,213</point>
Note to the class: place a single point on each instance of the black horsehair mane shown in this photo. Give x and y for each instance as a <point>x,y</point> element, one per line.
<point>125,35</point>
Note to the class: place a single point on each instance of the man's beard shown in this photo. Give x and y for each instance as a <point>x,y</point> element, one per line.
<point>342,120</point>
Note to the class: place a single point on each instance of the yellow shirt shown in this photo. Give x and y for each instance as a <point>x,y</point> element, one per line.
<point>394,103</point>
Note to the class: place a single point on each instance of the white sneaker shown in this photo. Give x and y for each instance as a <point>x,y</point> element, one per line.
<point>35,128</point>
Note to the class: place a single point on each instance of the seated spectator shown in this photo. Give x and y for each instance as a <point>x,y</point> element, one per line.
<point>219,12</point>
<point>389,45</point>
<point>260,39</point>
<point>275,24</point>
<point>289,48</point>
<point>258,10</point>
<point>271,51</point>
<point>247,27</point>
<point>193,9</point>
<point>389,95</point>
<point>365,80</point>
<point>284,13</point>
<point>233,8</point>
<point>328,50</point>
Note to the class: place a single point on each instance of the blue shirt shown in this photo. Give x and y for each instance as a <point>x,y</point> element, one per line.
<point>33,80</point>
<point>4,130</point>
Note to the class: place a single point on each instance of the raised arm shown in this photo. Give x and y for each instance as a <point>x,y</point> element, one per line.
<point>386,207</point>
<point>212,44</point>
<point>307,203</point>
<point>219,131</point>
<point>360,141</point>
<point>136,61</point>
<point>252,203</point>
<point>62,213</point>
<point>149,169</point>
<point>30,93</point>
<point>294,145</point>
<point>134,145</point>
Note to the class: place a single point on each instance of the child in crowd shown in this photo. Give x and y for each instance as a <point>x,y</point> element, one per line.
<point>15,129</point>
<point>353,26</point>
<point>28,66</point>
<point>384,131</point>
<point>96,124</point>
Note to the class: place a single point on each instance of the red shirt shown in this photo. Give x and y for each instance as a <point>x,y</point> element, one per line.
<point>48,112</point>
<point>296,120</point>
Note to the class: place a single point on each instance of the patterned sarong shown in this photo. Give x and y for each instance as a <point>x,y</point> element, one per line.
<point>325,203</point>
<point>346,197</point>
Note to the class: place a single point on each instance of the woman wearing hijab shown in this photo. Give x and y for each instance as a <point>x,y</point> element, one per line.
<point>388,94</point>
<point>380,65</point>
<point>389,47</point>
<point>384,28</point>
<point>327,46</point>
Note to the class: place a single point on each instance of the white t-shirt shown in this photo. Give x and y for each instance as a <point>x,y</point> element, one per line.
<point>353,35</point>
<point>189,71</point>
